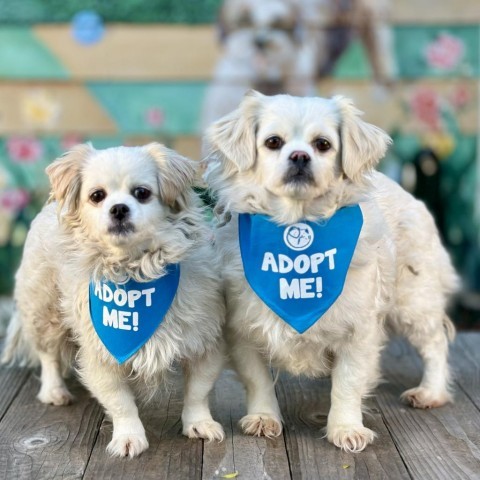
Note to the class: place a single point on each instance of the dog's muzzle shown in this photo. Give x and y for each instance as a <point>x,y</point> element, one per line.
<point>119,215</point>
<point>299,170</point>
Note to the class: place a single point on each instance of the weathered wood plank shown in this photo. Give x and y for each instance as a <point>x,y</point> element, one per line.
<point>251,457</point>
<point>305,404</point>
<point>465,359</point>
<point>44,442</point>
<point>170,454</point>
<point>11,380</point>
<point>442,443</point>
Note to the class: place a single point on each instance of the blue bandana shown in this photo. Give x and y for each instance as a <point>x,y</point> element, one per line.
<point>125,316</point>
<point>299,270</point>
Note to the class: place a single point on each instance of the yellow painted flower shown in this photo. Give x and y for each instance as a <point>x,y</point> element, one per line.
<point>442,143</point>
<point>40,109</point>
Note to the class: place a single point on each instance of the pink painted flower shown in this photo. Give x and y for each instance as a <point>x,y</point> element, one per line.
<point>445,53</point>
<point>24,150</point>
<point>14,199</point>
<point>425,105</point>
<point>460,96</point>
<point>70,140</point>
<point>155,117</point>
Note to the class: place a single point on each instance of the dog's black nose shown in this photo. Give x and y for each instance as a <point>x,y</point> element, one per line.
<point>299,158</point>
<point>119,211</point>
<point>260,42</point>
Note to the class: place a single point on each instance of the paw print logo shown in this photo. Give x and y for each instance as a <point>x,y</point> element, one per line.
<point>298,236</point>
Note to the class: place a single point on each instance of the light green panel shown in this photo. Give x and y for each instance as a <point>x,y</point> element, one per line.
<point>128,104</point>
<point>23,56</point>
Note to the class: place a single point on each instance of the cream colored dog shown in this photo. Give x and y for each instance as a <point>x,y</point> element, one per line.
<point>302,159</point>
<point>125,212</point>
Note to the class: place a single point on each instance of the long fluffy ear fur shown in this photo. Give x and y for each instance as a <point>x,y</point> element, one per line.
<point>233,136</point>
<point>363,144</point>
<point>176,174</point>
<point>65,176</point>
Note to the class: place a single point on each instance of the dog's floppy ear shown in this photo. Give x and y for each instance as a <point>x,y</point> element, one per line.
<point>233,136</point>
<point>65,175</point>
<point>362,144</point>
<point>176,174</point>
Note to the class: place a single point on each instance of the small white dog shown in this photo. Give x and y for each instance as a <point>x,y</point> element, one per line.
<point>264,47</point>
<point>283,169</point>
<point>121,215</point>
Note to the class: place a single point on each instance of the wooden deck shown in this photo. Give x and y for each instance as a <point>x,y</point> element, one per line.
<point>46,442</point>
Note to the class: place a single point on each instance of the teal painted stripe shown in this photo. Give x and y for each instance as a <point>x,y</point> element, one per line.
<point>412,43</point>
<point>132,11</point>
<point>23,56</point>
<point>128,105</point>
<point>353,64</point>
<point>411,47</point>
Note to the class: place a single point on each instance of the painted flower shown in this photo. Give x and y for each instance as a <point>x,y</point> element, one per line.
<point>87,27</point>
<point>40,109</point>
<point>460,96</point>
<point>14,199</point>
<point>425,105</point>
<point>70,140</point>
<point>154,117</point>
<point>442,143</point>
<point>445,53</point>
<point>24,149</point>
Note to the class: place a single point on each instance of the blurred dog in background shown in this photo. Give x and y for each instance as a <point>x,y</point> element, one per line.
<point>285,46</point>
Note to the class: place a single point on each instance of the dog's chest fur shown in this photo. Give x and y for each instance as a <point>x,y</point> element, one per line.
<point>310,353</point>
<point>191,326</point>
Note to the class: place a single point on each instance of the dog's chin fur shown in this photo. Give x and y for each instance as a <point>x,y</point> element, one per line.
<point>399,273</point>
<point>240,192</point>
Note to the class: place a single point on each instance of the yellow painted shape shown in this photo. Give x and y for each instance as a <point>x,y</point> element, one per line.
<point>76,111</point>
<point>136,52</point>
<point>426,12</point>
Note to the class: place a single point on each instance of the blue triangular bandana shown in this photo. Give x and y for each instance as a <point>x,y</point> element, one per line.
<point>299,270</point>
<point>126,315</point>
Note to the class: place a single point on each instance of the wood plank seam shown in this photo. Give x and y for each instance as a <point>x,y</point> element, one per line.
<point>97,433</point>
<point>385,422</point>
<point>17,390</point>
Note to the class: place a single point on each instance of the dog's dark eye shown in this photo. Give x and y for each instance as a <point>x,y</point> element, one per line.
<point>274,143</point>
<point>322,144</point>
<point>98,196</point>
<point>141,193</point>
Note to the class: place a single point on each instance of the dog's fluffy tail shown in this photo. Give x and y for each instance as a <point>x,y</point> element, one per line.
<point>16,348</point>
<point>449,328</point>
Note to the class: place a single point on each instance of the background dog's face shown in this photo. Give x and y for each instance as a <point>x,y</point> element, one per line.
<point>120,196</point>
<point>265,33</point>
<point>295,148</point>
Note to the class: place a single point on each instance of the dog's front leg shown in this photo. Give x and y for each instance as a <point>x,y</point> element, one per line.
<point>354,374</point>
<point>200,376</point>
<point>109,386</point>
<point>263,413</point>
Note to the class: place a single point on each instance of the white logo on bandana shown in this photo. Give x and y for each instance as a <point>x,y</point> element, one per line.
<point>298,236</point>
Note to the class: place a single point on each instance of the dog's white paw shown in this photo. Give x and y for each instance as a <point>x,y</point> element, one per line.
<point>421,397</point>
<point>208,429</point>
<point>261,425</point>
<point>55,396</point>
<point>351,438</point>
<point>127,445</point>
